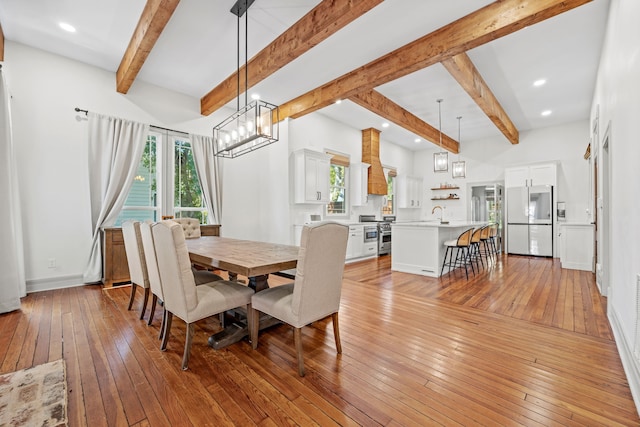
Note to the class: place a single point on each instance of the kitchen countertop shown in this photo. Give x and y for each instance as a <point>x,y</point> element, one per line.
<point>436,223</point>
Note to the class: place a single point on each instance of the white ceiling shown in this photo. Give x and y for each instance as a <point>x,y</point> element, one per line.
<point>198,49</point>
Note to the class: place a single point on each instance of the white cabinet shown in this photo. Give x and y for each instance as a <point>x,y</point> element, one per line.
<point>370,249</point>
<point>576,246</point>
<point>309,171</point>
<point>528,176</point>
<point>358,173</point>
<point>409,191</point>
<point>355,242</point>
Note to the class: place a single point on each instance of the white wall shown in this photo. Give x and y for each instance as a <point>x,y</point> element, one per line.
<point>486,160</point>
<point>618,102</point>
<point>51,150</point>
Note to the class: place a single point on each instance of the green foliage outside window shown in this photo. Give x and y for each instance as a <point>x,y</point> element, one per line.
<point>337,190</point>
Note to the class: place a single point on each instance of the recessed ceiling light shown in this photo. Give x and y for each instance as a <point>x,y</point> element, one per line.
<point>539,82</point>
<point>385,125</point>
<point>67,27</point>
<point>255,96</point>
<point>546,113</point>
<point>339,101</point>
<point>417,140</point>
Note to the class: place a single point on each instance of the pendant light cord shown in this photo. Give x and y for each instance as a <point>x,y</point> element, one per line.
<point>459,118</point>
<point>440,120</point>
<point>246,56</point>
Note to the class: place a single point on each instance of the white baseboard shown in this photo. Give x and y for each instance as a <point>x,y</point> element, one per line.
<point>629,363</point>
<point>50,283</point>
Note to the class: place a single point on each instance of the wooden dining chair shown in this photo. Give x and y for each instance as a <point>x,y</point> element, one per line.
<point>136,260</point>
<point>182,297</point>
<point>315,293</point>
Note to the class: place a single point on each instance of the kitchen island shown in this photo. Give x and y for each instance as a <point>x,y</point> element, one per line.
<point>418,247</point>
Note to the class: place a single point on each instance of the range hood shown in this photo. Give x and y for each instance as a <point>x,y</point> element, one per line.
<point>376,181</point>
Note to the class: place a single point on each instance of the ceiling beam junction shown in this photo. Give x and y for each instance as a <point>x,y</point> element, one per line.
<point>493,21</point>
<point>321,22</point>
<point>154,18</point>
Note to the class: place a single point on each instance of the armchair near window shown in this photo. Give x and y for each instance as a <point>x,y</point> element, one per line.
<point>315,294</point>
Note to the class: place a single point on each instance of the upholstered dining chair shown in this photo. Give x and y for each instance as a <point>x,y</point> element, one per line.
<point>190,226</point>
<point>137,265</point>
<point>315,293</point>
<point>182,297</point>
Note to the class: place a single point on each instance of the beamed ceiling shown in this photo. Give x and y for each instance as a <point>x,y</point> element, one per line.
<point>386,61</point>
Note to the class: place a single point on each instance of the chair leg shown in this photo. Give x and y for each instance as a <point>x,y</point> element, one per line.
<point>444,261</point>
<point>187,346</point>
<point>163,323</point>
<point>154,302</point>
<point>297,338</point>
<point>254,328</point>
<point>167,330</point>
<point>144,302</point>
<point>133,295</point>
<point>336,332</point>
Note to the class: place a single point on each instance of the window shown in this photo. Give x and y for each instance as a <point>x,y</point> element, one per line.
<point>156,193</point>
<point>338,184</point>
<point>389,208</point>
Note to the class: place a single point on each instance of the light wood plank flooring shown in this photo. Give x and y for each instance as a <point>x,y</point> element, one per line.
<point>522,343</point>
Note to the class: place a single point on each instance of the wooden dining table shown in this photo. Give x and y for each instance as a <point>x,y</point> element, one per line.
<point>252,259</point>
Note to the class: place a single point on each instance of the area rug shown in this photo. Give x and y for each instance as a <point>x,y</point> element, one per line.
<point>34,397</point>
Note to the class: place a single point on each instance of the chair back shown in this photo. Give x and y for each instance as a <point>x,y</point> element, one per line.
<point>465,238</point>
<point>318,283</point>
<point>152,262</point>
<point>135,253</point>
<point>485,233</point>
<point>190,226</point>
<point>174,266</point>
<point>475,237</point>
<point>493,230</point>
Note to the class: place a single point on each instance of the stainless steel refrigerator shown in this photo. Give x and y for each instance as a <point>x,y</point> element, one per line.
<point>530,220</point>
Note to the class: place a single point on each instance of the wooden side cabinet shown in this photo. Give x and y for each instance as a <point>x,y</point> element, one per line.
<point>114,257</point>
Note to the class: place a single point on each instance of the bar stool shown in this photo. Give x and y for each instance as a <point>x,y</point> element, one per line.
<point>461,246</point>
<point>474,248</point>
<point>484,242</point>
<point>493,238</point>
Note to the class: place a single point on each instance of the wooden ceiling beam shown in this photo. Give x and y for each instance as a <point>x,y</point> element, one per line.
<point>377,103</point>
<point>1,44</point>
<point>468,76</point>
<point>493,21</point>
<point>154,18</point>
<point>321,22</point>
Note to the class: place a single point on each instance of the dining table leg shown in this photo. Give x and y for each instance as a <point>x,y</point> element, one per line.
<point>259,283</point>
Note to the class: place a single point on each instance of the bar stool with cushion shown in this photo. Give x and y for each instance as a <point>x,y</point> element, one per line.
<point>136,261</point>
<point>315,293</point>
<point>182,297</point>
<point>461,247</point>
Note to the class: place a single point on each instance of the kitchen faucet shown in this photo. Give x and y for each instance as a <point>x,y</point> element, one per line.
<point>441,214</point>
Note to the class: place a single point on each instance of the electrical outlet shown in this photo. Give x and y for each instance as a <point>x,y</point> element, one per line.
<point>52,263</point>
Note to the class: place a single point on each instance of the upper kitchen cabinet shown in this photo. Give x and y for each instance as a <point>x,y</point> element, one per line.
<point>528,176</point>
<point>358,173</point>
<point>309,172</point>
<point>409,191</point>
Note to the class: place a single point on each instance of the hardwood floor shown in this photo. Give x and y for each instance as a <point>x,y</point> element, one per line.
<point>522,343</point>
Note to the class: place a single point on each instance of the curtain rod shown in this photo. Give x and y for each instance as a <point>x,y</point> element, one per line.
<point>86,112</point>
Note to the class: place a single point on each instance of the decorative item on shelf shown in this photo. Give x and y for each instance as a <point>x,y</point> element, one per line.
<point>257,123</point>
<point>441,159</point>
<point>459,168</point>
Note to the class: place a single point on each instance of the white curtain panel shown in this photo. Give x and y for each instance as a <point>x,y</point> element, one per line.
<point>208,168</point>
<point>12,278</point>
<point>115,149</point>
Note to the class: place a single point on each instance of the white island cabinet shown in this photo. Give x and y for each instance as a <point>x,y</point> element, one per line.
<point>418,247</point>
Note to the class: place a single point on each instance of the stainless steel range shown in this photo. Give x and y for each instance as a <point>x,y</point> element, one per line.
<point>384,231</point>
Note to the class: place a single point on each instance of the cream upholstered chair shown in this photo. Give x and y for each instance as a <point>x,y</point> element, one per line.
<point>190,226</point>
<point>182,297</point>
<point>136,260</point>
<point>152,269</point>
<point>315,294</point>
